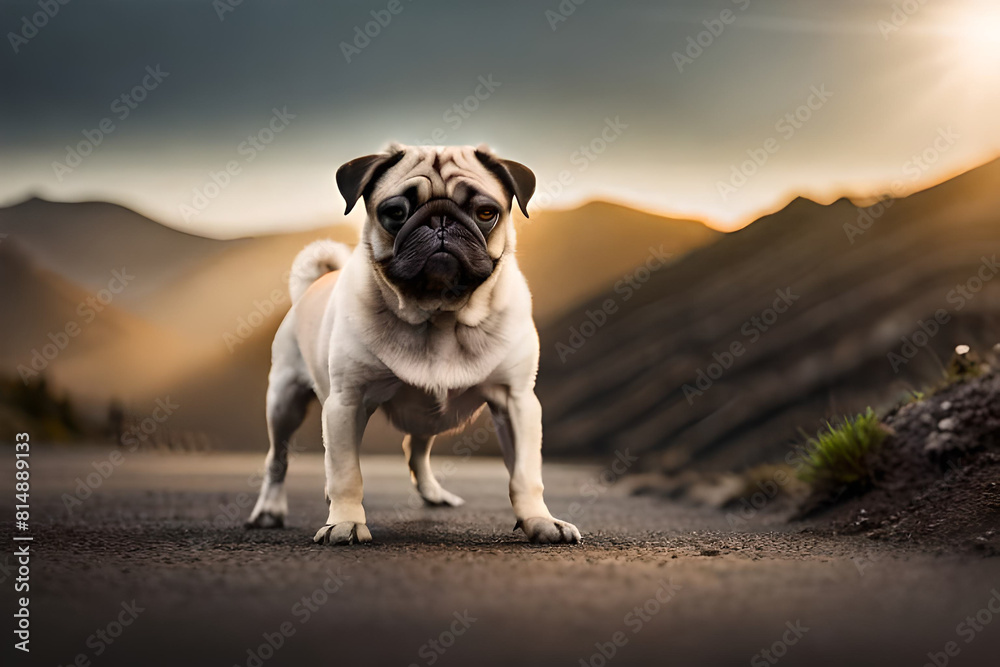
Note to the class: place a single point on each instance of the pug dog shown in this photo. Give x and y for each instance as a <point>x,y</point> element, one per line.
<point>428,318</point>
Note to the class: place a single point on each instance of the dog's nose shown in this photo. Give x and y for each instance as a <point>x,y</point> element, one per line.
<point>439,223</point>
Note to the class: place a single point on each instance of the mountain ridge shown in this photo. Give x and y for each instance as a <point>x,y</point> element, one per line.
<point>626,385</point>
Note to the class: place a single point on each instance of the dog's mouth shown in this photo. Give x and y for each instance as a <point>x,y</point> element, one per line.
<point>440,252</point>
<point>442,263</point>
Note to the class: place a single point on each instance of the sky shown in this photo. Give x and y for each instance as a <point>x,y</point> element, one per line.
<point>227,119</point>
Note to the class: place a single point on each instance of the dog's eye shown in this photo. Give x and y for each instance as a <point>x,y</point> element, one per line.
<point>393,213</point>
<point>487,213</point>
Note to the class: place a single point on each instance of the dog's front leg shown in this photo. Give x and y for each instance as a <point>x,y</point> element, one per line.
<point>343,425</point>
<point>519,428</point>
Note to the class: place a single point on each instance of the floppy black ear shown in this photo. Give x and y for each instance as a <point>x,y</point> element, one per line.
<point>355,177</point>
<point>515,177</point>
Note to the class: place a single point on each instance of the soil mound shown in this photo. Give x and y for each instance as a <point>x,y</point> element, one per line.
<point>937,477</point>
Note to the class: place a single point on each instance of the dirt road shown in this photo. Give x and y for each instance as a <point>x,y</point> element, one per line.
<point>154,568</point>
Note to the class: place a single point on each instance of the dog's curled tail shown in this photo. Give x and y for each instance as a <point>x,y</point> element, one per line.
<point>316,260</point>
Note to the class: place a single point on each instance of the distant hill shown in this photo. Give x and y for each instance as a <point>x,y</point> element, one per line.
<point>184,294</point>
<point>177,330</point>
<point>569,256</point>
<point>84,241</point>
<point>208,300</point>
<point>660,374</point>
<point>92,349</point>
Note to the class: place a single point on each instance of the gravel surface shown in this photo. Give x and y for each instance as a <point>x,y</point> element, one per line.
<point>654,582</point>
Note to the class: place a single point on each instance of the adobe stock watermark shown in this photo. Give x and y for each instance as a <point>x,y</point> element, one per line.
<point>463,449</point>
<point>779,649</point>
<point>912,343</point>
<point>431,651</point>
<point>33,23</point>
<point>581,158</point>
<point>696,44</point>
<point>263,309</point>
<point>223,7</point>
<point>365,33</point>
<point>914,167</point>
<point>634,621</point>
<point>867,560</point>
<point>87,311</point>
<point>967,630</point>
<point>131,440</point>
<point>770,488</point>
<point>248,150</point>
<point>103,638</point>
<point>231,513</point>
<point>459,112</point>
<point>958,297</point>
<point>752,330</point>
<point>900,15</point>
<point>596,487</point>
<point>256,318</point>
<point>562,12</point>
<point>787,126</point>
<point>302,611</point>
<point>121,108</point>
<point>7,568</point>
<point>767,490</point>
<point>597,318</point>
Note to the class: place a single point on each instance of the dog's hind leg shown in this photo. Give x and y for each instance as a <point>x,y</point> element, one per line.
<point>287,401</point>
<point>418,455</point>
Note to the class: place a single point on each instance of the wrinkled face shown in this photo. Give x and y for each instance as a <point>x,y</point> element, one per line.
<point>438,217</point>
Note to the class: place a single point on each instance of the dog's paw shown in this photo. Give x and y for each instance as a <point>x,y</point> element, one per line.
<point>546,530</point>
<point>265,519</point>
<point>440,497</point>
<point>346,532</point>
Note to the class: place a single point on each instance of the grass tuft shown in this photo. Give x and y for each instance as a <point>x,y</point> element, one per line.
<point>839,455</point>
